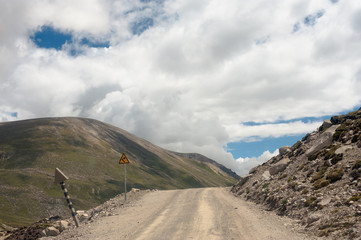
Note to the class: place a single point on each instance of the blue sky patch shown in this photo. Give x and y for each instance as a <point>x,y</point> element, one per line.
<point>48,37</point>
<point>311,19</point>
<point>142,25</point>
<point>296,27</point>
<point>308,21</point>
<point>94,44</point>
<point>256,149</point>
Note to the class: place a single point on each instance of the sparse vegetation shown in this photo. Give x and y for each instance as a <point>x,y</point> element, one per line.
<point>357,165</point>
<point>313,156</point>
<point>319,174</point>
<point>301,167</point>
<point>354,198</point>
<point>311,201</point>
<point>333,226</point>
<point>336,158</point>
<point>296,145</point>
<point>335,175</point>
<point>331,153</point>
<point>292,185</point>
<point>320,183</point>
<point>305,191</point>
<point>340,132</point>
<point>282,176</point>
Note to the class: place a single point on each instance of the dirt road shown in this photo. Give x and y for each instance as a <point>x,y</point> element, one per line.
<point>208,213</point>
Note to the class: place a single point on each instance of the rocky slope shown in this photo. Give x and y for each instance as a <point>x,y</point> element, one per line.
<point>88,152</point>
<point>54,225</point>
<point>317,180</point>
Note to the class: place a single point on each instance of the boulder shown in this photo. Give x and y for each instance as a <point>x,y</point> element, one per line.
<point>253,170</point>
<point>82,216</point>
<point>326,124</point>
<point>284,150</point>
<point>63,225</point>
<point>324,140</point>
<point>314,217</point>
<point>325,201</point>
<point>343,149</point>
<point>52,231</point>
<point>243,180</point>
<point>335,120</point>
<point>266,175</point>
<point>280,166</point>
<point>43,233</point>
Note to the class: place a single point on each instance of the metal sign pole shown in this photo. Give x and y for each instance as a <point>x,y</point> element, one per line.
<point>125,182</point>
<point>124,160</point>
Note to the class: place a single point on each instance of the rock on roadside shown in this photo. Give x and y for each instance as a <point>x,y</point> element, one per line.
<point>53,226</point>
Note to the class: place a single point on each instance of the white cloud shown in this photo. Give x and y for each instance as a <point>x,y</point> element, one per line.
<point>193,76</point>
<point>91,16</point>
<point>240,132</point>
<point>248,163</point>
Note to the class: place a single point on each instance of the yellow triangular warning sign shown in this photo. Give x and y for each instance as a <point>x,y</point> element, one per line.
<point>123,159</point>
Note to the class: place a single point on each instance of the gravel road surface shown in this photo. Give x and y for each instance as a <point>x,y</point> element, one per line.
<point>204,213</point>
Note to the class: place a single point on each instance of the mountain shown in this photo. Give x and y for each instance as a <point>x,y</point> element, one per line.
<point>317,180</point>
<point>88,152</point>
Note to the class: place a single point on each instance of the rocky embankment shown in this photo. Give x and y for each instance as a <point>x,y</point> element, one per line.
<point>55,225</point>
<point>317,180</point>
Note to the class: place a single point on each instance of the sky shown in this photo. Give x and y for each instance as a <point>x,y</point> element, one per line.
<point>233,80</point>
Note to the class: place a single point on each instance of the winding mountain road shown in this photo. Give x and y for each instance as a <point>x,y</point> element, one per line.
<point>205,213</point>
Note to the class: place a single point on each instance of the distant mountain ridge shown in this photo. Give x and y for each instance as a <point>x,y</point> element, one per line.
<point>317,180</point>
<point>88,152</point>
<point>204,159</point>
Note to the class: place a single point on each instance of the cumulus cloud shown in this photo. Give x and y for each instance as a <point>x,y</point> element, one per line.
<point>90,16</point>
<point>187,74</point>
<point>248,163</point>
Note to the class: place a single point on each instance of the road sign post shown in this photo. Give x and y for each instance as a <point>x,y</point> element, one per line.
<point>125,182</point>
<point>60,178</point>
<point>124,160</point>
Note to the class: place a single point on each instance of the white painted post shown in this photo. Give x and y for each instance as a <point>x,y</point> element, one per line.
<point>61,178</point>
<point>70,204</point>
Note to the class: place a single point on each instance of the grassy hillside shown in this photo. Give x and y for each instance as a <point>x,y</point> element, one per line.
<point>88,152</point>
